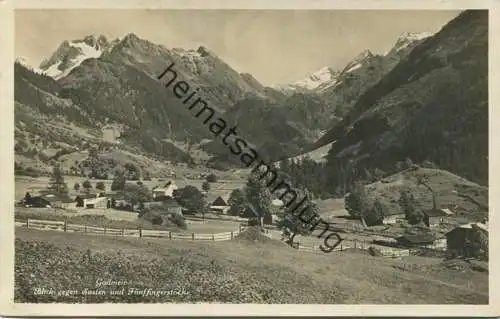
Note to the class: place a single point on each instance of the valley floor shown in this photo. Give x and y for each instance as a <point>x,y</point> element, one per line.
<point>238,271</point>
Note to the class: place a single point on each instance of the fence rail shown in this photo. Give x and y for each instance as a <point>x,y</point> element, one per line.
<point>165,234</point>
<point>147,233</point>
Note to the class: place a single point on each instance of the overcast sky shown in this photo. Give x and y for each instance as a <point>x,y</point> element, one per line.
<point>274,46</point>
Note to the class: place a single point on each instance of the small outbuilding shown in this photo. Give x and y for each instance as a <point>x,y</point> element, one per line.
<point>461,240</point>
<point>435,217</point>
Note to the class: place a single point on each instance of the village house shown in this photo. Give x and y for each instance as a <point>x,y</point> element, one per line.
<point>461,239</point>
<point>220,205</point>
<point>166,191</point>
<point>393,219</point>
<point>99,200</point>
<point>165,207</point>
<point>435,217</point>
<point>172,207</point>
<point>36,201</point>
<point>47,200</point>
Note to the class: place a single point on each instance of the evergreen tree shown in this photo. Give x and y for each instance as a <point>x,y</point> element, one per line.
<point>76,187</point>
<point>56,183</point>
<point>299,221</point>
<point>258,197</point>
<point>119,181</point>
<point>237,202</point>
<point>356,203</point>
<point>375,216</point>
<point>205,186</point>
<point>409,207</point>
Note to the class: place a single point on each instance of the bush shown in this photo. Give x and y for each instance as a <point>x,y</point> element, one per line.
<point>178,220</point>
<point>100,186</point>
<point>157,220</point>
<point>211,178</point>
<point>87,185</point>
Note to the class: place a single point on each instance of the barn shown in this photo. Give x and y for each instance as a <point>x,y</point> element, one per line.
<point>461,240</point>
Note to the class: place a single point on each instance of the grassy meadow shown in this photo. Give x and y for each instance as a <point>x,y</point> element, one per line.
<point>239,271</point>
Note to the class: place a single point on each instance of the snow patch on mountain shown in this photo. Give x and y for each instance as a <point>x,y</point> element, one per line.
<point>323,75</point>
<point>71,54</point>
<point>356,66</point>
<point>407,38</point>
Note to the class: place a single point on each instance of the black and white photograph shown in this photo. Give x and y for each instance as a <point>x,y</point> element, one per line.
<point>262,156</point>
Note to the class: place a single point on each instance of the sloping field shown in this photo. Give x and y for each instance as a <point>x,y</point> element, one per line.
<point>238,271</point>
<point>463,196</point>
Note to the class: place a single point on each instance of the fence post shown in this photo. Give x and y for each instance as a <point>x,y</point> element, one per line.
<point>213,237</point>
<point>341,249</point>
<point>140,232</point>
<point>169,235</point>
<point>123,231</point>
<point>65,225</point>
<point>104,229</point>
<point>231,235</point>
<point>27,223</point>
<point>85,229</point>
<point>192,236</point>
<point>355,242</point>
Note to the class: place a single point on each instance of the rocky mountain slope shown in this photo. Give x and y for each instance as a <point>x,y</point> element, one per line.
<point>93,82</point>
<point>432,106</point>
<point>364,71</point>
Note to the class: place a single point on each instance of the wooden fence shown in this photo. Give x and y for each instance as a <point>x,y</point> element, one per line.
<point>355,244</point>
<point>148,233</point>
<point>165,234</point>
<point>345,244</point>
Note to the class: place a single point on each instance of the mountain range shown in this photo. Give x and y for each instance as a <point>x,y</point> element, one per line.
<point>364,109</point>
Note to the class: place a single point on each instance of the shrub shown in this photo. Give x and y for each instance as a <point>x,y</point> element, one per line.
<point>211,178</point>
<point>100,186</point>
<point>157,220</point>
<point>178,220</point>
<point>205,186</point>
<point>87,185</point>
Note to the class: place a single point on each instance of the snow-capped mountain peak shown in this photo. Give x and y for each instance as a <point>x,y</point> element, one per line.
<point>71,54</point>
<point>407,38</point>
<point>358,61</point>
<point>313,81</point>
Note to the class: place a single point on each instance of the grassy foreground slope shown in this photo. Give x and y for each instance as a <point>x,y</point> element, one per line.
<point>239,271</point>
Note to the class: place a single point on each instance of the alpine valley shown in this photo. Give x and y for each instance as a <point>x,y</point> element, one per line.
<point>425,99</point>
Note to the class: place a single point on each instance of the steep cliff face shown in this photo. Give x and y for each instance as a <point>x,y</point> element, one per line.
<point>433,105</point>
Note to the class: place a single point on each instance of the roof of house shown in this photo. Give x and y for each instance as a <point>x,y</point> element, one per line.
<point>87,196</point>
<point>219,201</point>
<point>95,200</point>
<point>396,215</point>
<point>417,238</point>
<point>56,198</point>
<point>211,197</point>
<point>220,207</point>
<point>481,226</point>
<point>438,212</point>
<point>277,202</point>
